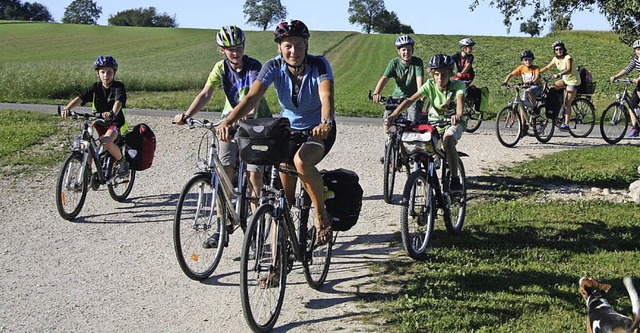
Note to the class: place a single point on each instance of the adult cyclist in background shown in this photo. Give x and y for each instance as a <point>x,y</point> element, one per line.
<point>570,79</point>
<point>108,97</point>
<point>635,96</point>
<point>464,61</point>
<point>408,73</point>
<point>304,85</point>
<point>233,75</point>
<point>443,94</point>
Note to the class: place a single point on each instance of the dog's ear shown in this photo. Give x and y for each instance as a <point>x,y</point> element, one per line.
<point>604,287</point>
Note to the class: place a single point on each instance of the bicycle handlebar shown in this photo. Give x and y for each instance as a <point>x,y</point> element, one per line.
<point>625,81</point>
<point>75,115</point>
<point>388,101</point>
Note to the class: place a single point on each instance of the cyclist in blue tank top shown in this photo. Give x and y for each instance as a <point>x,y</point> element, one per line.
<point>304,84</point>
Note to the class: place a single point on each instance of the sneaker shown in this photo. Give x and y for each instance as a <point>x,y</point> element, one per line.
<point>564,127</point>
<point>382,160</point>
<point>454,185</point>
<point>633,132</point>
<point>212,241</point>
<point>123,168</point>
<point>525,130</point>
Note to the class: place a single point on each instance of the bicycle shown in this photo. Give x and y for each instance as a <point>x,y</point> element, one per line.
<point>615,118</point>
<point>394,159</point>
<point>209,203</point>
<point>583,113</point>
<point>474,117</point>
<point>76,172</point>
<point>279,234</point>
<point>425,194</point>
<point>509,125</point>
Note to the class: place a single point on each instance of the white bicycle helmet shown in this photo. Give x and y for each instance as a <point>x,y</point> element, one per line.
<point>404,40</point>
<point>466,42</point>
<point>230,36</point>
<point>636,44</point>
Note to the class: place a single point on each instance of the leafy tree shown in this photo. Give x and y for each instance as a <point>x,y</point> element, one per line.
<point>82,12</point>
<point>14,10</point>
<point>142,17</point>
<point>530,27</point>
<point>263,13</point>
<point>388,23</point>
<point>562,22</point>
<point>623,15</point>
<point>365,13</point>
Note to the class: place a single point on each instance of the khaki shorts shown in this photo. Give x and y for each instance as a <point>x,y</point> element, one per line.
<point>455,131</point>
<point>228,154</point>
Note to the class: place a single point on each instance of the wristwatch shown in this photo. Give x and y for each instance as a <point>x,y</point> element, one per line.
<point>327,121</point>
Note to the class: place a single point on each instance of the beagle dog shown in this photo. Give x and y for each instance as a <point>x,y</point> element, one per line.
<point>601,318</point>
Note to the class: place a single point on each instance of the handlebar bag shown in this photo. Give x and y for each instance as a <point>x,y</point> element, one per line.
<point>422,138</point>
<point>264,141</point>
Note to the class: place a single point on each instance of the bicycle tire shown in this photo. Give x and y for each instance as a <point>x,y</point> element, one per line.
<point>583,118</point>
<point>508,126</point>
<point>456,204</point>
<point>70,193</point>
<point>543,126</point>
<point>317,258</point>
<point>390,158</point>
<point>194,222</point>
<point>474,117</point>
<point>121,186</point>
<point>418,214</point>
<point>261,305</point>
<point>614,122</point>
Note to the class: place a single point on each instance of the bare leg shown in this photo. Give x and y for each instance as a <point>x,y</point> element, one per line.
<point>108,141</point>
<point>449,143</point>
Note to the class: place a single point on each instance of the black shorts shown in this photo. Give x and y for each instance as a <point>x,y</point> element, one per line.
<point>298,138</point>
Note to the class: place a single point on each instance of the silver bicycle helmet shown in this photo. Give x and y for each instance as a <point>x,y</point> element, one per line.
<point>636,44</point>
<point>558,43</point>
<point>230,36</point>
<point>527,54</point>
<point>466,42</point>
<point>404,40</point>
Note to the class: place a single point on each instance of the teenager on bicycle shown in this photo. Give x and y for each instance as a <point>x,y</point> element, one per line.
<point>635,96</point>
<point>443,94</point>
<point>408,73</point>
<point>570,78</point>
<point>233,75</point>
<point>304,85</point>
<point>109,98</point>
<point>464,61</point>
<point>530,75</point>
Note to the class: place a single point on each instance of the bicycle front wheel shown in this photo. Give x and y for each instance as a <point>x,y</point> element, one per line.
<point>508,126</point>
<point>474,117</point>
<point>263,272</point>
<point>614,122</point>
<point>583,118</point>
<point>317,257</point>
<point>543,125</point>
<point>196,220</point>
<point>121,184</point>
<point>456,203</point>
<point>390,159</point>
<point>418,214</point>
<point>71,190</point>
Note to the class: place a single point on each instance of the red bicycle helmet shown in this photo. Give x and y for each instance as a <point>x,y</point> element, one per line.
<point>290,29</point>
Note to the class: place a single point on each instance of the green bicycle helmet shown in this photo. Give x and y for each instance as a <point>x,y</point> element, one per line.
<point>230,36</point>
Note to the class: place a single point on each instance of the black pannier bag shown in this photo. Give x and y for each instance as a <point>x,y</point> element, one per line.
<point>553,103</point>
<point>264,141</point>
<point>141,147</point>
<point>343,197</point>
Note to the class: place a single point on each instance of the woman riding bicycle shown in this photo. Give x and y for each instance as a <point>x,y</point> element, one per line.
<point>444,94</point>
<point>635,96</point>
<point>570,78</point>
<point>233,75</point>
<point>304,85</point>
<point>109,98</point>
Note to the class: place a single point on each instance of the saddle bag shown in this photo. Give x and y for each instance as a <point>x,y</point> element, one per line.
<point>140,147</point>
<point>421,138</point>
<point>264,141</point>
<point>343,197</point>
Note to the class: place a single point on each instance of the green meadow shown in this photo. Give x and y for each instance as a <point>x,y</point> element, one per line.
<point>165,68</point>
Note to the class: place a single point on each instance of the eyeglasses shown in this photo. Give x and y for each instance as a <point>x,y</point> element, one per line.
<point>558,49</point>
<point>527,59</point>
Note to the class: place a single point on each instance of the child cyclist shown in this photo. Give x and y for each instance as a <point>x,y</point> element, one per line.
<point>108,97</point>
<point>443,94</point>
<point>408,72</point>
<point>530,74</point>
<point>635,96</point>
<point>464,61</point>
<point>570,78</point>
<point>233,75</point>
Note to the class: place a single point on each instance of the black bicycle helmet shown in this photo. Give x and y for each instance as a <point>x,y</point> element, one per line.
<point>230,36</point>
<point>527,54</point>
<point>442,60</point>
<point>289,29</point>
<point>105,61</point>
<point>404,40</point>
<point>558,43</point>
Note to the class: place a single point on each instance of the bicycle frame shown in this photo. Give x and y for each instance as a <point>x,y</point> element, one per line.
<point>623,98</point>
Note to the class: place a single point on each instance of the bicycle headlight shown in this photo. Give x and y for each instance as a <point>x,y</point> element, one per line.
<point>618,96</point>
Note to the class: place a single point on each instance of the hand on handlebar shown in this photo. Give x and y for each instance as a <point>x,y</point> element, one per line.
<point>179,119</point>
<point>223,130</point>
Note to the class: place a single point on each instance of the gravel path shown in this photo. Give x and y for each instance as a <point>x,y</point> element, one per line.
<point>114,268</point>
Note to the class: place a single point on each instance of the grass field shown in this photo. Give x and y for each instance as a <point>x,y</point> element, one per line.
<point>165,68</point>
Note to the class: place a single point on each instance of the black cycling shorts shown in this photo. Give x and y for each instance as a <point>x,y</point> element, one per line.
<point>298,138</point>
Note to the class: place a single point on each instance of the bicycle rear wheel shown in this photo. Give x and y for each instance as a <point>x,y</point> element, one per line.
<point>390,159</point>
<point>196,220</point>
<point>122,185</point>
<point>263,270</point>
<point>418,214</point>
<point>71,189</point>
<point>508,126</point>
<point>474,117</point>
<point>456,204</point>
<point>583,118</point>
<point>543,125</point>
<point>317,257</point>
<point>614,122</point>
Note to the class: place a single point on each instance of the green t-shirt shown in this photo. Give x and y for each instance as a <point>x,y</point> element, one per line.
<point>405,75</point>
<point>439,98</point>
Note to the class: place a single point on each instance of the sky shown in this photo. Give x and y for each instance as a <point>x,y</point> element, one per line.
<point>424,16</point>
